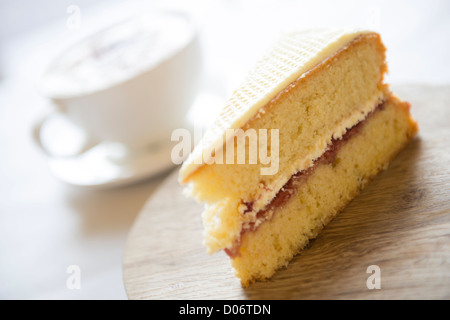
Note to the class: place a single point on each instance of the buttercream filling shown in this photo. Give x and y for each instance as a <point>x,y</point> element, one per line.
<point>329,157</point>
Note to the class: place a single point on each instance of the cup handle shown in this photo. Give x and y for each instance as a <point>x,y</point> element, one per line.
<point>37,130</point>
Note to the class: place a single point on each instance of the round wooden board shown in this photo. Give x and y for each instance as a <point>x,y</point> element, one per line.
<point>400,222</point>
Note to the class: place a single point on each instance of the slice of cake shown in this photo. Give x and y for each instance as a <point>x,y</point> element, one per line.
<point>312,123</point>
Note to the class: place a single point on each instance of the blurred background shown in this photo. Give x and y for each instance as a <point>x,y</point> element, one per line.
<point>47,226</point>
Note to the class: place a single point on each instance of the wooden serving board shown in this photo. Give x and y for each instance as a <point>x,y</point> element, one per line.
<point>400,222</point>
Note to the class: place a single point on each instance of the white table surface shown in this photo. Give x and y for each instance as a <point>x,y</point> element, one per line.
<point>46,226</point>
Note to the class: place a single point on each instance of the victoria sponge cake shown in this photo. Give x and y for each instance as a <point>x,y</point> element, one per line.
<point>308,128</point>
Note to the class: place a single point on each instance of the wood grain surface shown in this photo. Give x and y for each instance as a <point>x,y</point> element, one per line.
<point>400,222</point>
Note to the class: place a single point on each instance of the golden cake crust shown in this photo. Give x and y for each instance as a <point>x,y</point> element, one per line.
<point>311,111</point>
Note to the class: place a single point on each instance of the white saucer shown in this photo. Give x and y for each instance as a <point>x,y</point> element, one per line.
<point>108,164</point>
<point>97,168</point>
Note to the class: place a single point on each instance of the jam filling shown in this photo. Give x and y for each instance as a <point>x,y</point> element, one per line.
<point>290,188</point>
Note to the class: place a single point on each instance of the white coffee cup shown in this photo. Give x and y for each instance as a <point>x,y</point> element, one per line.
<point>131,83</point>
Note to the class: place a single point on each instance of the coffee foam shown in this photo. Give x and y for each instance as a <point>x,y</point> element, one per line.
<point>117,53</point>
